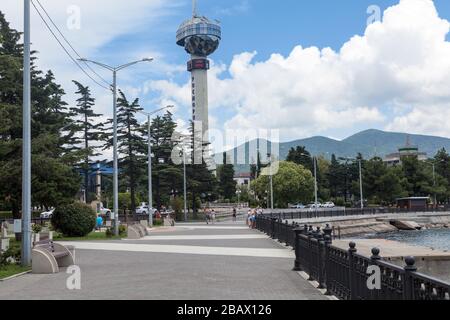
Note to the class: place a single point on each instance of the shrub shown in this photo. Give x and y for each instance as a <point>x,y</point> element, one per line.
<point>37,228</point>
<point>122,230</point>
<point>109,233</point>
<point>74,220</point>
<point>12,255</point>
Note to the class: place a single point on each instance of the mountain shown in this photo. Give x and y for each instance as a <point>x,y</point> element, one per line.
<point>369,143</point>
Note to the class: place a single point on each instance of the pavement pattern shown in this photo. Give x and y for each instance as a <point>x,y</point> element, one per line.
<point>226,261</point>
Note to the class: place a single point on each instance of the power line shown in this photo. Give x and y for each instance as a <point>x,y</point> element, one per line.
<point>65,50</point>
<point>70,45</point>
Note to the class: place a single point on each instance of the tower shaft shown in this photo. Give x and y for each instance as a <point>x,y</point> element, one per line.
<point>198,67</point>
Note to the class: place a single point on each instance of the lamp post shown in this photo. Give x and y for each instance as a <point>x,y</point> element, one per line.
<point>238,193</point>
<point>26,149</point>
<point>271,180</point>
<point>114,70</point>
<point>149,151</point>
<point>316,202</point>
<point>316,198</point>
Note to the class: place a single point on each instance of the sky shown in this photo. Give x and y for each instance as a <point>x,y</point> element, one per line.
<point>305,68</point>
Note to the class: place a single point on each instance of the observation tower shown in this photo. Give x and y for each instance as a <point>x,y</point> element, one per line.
<point>200,37</point>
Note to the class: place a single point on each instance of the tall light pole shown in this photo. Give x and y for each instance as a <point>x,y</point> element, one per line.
<point>184,185</point>
<point>26,149</point>
<point>271,180</point>
<point>316,202</point>
<point>149,151</point>
<point>114,70</point>
<point>361,184</point>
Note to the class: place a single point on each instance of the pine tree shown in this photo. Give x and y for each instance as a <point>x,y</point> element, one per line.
<point>130,146</point>
<point>84,122</point>
<point>167,177</point>
<point>227,184</point>
<point>54,179</point>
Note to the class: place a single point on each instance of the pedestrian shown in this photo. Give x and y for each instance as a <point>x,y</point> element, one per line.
<point>206,211</point>
<point>249,214</point>
<point>234,215</point>
<point>213,216</point>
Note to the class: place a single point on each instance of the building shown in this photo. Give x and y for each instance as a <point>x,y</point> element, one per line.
<point>243,179</point>
<point>200,37</point>
<point>406,151</point>
<point>413,203</point>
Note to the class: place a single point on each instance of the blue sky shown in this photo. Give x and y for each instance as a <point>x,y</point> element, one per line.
<point>323,92</point>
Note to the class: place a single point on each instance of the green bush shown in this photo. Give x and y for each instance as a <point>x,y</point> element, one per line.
<point>37,228</point>
<point>109,233</point>
<point>13,253</point>
<point>122,230</point>
<point>74,220</point>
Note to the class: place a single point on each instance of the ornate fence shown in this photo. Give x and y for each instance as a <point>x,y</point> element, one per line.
<point>345,273</point>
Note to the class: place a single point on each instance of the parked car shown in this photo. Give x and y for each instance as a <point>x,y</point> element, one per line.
<point>314,206</point>
<point>329,204</point>
<point>47,214</point>
<point>143,209</point>
<point>104,212</point>
<point>299,206</point>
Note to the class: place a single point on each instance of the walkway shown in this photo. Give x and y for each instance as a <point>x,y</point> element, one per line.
<point>223,262</point>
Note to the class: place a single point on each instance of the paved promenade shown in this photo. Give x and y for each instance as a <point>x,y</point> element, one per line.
<point>224,261</point>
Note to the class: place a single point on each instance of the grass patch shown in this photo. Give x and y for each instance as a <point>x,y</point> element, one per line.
<point>12,269</point>
<point>93,236</point>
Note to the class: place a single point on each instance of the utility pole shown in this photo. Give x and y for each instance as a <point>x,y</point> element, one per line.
<point>316,202</point>
<point>115,158</point>
<point>150,174</point>
<point>361,185</point>
<point>185,185</point>
<point>434,183</point>
<point>271,181</point>
<point>26,149</point>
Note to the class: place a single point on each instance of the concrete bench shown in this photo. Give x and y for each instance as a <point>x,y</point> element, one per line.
<point>48,256</point>
<point>136,231</point>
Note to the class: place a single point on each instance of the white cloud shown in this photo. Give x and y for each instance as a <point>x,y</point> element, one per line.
<point>399,66</point>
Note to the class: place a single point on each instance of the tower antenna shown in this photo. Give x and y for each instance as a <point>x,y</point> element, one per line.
<point>194,8</point>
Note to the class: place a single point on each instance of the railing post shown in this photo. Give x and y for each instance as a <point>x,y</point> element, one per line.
<point>310,256</point>
<point>374,261</point>
<point>321,264</point>
<point>408,280</point>
<point>272,228</point>
<point>298,231</point>
<point>351,270</point>
<point>328,242</point>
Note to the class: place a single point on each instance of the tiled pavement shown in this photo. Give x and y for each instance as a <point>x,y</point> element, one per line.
<point>225,262</point>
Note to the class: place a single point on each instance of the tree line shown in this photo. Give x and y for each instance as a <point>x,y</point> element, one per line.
<point>339,179</point>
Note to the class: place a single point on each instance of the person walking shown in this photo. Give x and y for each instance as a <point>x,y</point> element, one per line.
<point>206,211</point>
<point>213,216</point>
<point>234,215</point>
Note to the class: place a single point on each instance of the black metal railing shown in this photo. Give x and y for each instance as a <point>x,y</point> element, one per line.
<point>298,214</point>
<point>346,273</point>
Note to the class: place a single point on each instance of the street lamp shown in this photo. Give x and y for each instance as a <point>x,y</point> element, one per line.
<point>271,180</point>
<point>150,189</point>
<point>238,193</point>
<point>26,149</point>
<point>114,70</point>
<point>316,199</point>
